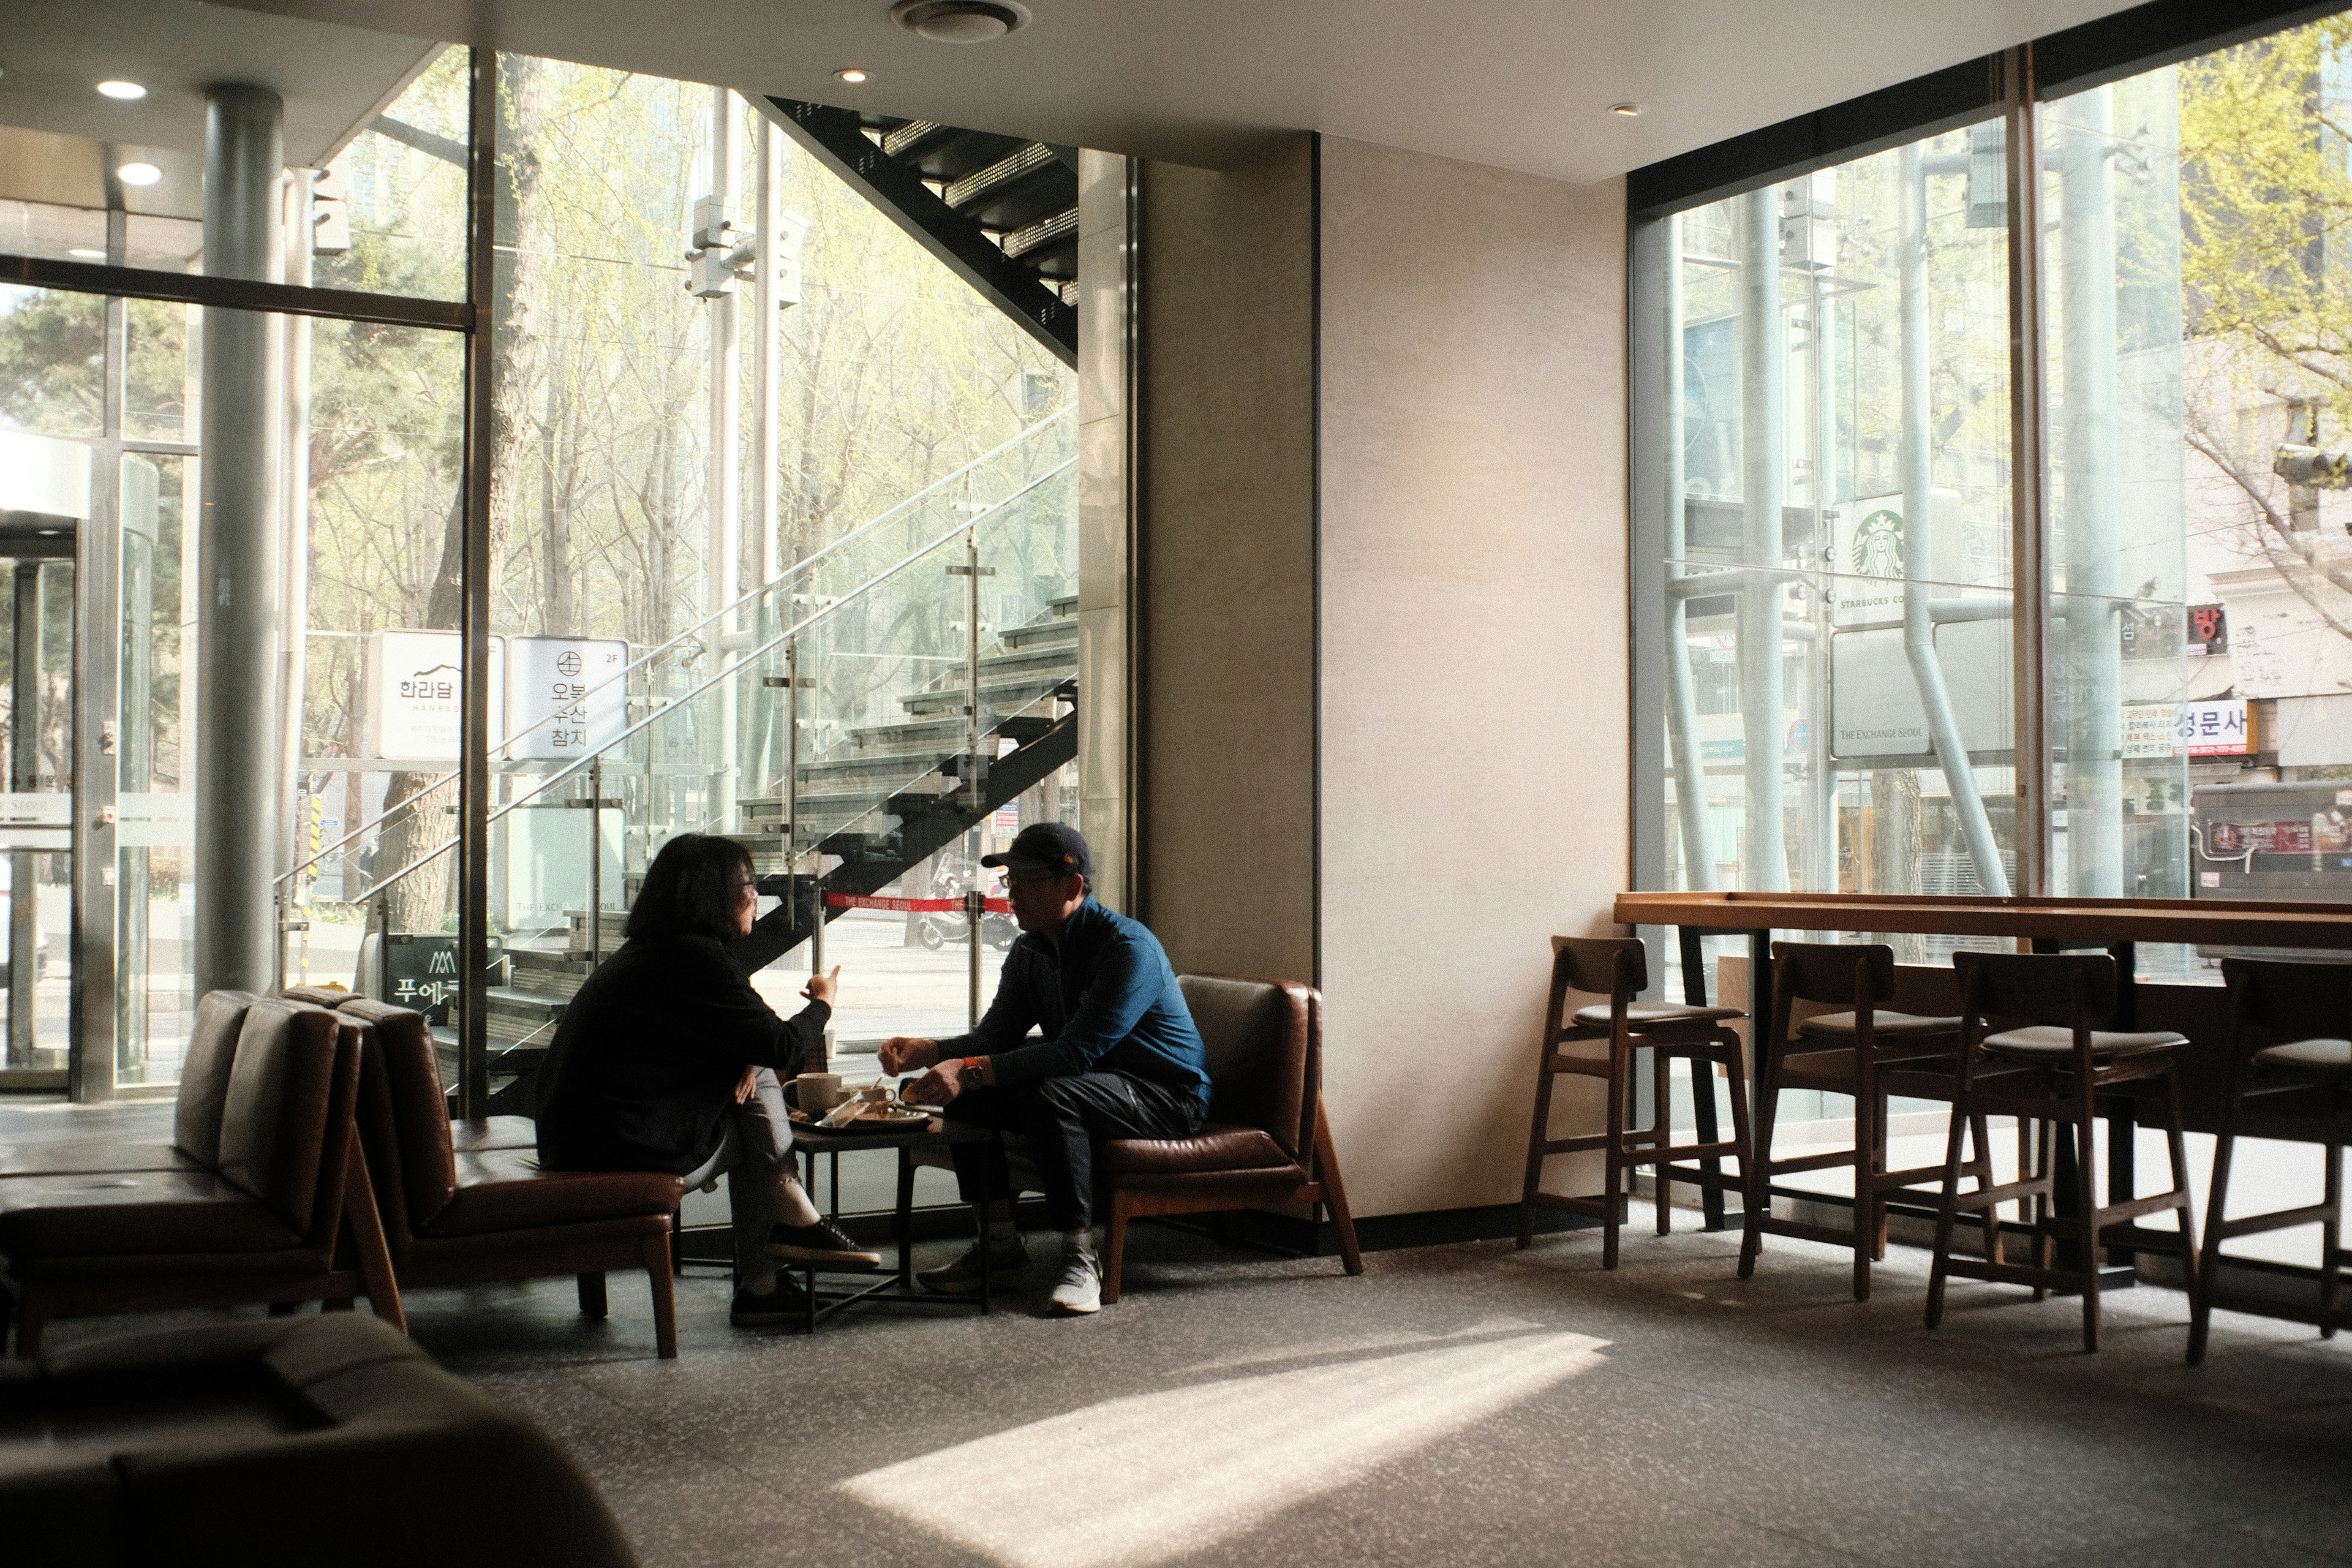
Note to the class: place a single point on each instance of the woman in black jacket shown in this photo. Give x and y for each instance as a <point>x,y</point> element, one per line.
<point>668,1060</point>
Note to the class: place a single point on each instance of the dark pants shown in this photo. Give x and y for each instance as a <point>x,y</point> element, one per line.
<point>1061,1118</point>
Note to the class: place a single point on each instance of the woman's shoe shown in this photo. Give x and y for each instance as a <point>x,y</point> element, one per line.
<point>823,1242</point>
<point>784,1303</point>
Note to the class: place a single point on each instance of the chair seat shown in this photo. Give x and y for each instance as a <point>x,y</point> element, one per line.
<point>2041,1040</point>
<point>2332,1059</point>
<point>505,1189</point>
<point>1218,1146</point>
<point>1597,1015</point>
<point>135,1212</point>
<point>1882,1023</point>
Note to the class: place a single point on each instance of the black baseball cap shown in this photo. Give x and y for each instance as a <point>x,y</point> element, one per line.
<point>1051,847</point>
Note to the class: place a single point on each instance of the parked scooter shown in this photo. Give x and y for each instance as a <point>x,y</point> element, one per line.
<point>938,930</point>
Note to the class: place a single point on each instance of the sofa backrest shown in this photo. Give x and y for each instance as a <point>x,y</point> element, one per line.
<point>285,1134</point>
<point>1264,1043</point>
<point>403,1118</point>
<point>204,1074</point>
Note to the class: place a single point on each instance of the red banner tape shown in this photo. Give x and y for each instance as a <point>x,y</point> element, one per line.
<point>912,906</point>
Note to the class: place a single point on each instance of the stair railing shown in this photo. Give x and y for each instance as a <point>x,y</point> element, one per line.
<point>377,897</point>
<point>805,566</point>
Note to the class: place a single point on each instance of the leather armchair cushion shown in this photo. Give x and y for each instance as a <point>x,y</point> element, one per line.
<point>1259,1038</point>
<point>1231,1189</point>
<point>205,1073</point>
<point>280,1089</point>
<point>135,1212</point>
<point>506,1190</point>
<point>403,1115</point>
<point>1217,1147</point>
<point>92,1153</point>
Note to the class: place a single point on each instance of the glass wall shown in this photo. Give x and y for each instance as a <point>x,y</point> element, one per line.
<point>1837,543</point>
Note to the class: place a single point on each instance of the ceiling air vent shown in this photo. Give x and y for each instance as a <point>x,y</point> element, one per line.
<point>959,21</point>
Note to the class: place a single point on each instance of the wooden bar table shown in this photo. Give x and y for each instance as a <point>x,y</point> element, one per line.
<point>2048,924</point>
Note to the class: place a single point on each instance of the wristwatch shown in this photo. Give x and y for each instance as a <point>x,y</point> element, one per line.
<point>972,1065</point>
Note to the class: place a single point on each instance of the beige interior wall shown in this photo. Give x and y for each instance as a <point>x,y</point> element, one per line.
<point>1226,545</point>
<point>1474,759</point>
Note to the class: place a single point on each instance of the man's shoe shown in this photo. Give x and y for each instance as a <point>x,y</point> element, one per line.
<point>1003,1261</point>
<point>823,1242</point>
<point>1080,1289</point>
<point>784,1304</point>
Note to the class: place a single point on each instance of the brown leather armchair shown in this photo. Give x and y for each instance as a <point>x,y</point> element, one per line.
<point>317,1440</point>
<point>1266,1143</point>
<point>492,1215</point>
<point>467,1134</point>
<point>254,1215</point>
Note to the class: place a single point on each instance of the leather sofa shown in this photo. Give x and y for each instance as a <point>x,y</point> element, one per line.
<point>467,1134</point>
<point>489,1214</point>
<point>261,1185</point>
<point>51,1138</point>
<point>270,1444</point>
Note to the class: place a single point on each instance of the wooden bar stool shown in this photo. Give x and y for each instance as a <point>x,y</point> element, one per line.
<point>1840,1053</point>
<point>1618,968</point>
<point>2289,1050</point>
<point>2051,1070</point>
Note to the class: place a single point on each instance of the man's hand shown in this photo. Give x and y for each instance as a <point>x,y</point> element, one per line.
<point>937,1086</point>
<point>745,1085</point>
<point>907,1053</point>
<point>821,987</point>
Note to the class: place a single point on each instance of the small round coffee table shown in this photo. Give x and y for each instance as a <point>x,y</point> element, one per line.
<point>900,1288</point>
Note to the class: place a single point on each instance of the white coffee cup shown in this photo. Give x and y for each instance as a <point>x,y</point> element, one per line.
<point>817,1093</point>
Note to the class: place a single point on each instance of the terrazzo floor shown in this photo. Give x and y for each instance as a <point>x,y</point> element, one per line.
<point>1456,1405</point>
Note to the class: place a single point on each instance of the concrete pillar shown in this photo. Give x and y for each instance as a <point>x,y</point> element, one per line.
<point>238,552</point>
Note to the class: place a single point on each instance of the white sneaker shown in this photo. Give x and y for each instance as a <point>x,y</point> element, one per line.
<point>1079,1289</point>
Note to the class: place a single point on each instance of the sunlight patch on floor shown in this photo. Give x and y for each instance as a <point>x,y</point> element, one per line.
<point>1153,1477</point>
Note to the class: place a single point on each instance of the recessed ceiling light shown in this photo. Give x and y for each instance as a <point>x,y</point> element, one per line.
<point>852,75</point>
<point>1627,110</point>
<point>959,21</point>
<point>83,253</point>
<point>138,173</point>
<point>127,92</point>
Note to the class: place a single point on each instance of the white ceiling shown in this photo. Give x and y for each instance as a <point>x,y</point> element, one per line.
<point>1523,84</point>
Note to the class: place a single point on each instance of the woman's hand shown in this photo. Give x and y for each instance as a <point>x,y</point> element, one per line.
<point>904,1053</point>
<point>745,1086</point>
<point>821,987</point>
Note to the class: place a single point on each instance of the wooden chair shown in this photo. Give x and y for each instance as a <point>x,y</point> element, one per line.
<point>1838,1053</point>
<point>2051,1070</point>
<point>2291,1079</point>
<point>1617,969</point>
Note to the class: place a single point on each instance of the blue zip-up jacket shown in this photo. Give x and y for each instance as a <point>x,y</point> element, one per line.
<point>1107,1002</point>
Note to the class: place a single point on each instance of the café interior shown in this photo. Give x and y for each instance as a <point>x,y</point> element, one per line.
<point>1413,482</point>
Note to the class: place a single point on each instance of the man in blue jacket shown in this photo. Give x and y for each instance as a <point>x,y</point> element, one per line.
<point>1120,1058</point>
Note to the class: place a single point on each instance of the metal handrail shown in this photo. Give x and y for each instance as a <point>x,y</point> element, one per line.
<point>797,568</point>
<point>570,769</point>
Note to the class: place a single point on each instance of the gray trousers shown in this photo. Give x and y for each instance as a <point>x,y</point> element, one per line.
<point>756,1150</point>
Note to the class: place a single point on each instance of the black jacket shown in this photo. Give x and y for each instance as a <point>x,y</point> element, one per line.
<point>645,1064</point>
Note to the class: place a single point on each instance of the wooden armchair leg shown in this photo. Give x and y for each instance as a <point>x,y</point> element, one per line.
<point>1335,1194</point>
<point>1115,1248</point>
<point>658,1274</point>
<point>592,1295</point>
<point>365,1224</point>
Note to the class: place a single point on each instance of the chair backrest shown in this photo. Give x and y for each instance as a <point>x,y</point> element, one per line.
<point>1264,1041</point>
<point>286,1132</point>
<point>204,1074</point>
<point>1594,964</point>
<point>2293,1001</point>
<point>1847,974</point>
<point>403,1118</point>
<point>2056,988</point>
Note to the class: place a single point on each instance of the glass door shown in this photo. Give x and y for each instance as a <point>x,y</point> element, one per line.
<point>36,857</point>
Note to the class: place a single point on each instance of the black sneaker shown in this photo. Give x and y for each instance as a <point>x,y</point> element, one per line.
<point>823,1242</point>
<point>1003,1262</point>
<point>784,1304</point>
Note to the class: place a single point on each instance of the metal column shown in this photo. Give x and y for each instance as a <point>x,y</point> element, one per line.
<point>24,778</point>
<point>2021,126</point>
<point>473,576</point>
<point>1682,701</point>
<point>722,552</point>
<point>2093,643</point>
<point>1763,369</point>
<point>240,553</point>
<point>1919,539</point>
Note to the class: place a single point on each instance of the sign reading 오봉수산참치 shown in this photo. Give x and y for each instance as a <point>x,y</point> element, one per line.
<point>566,696</point>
